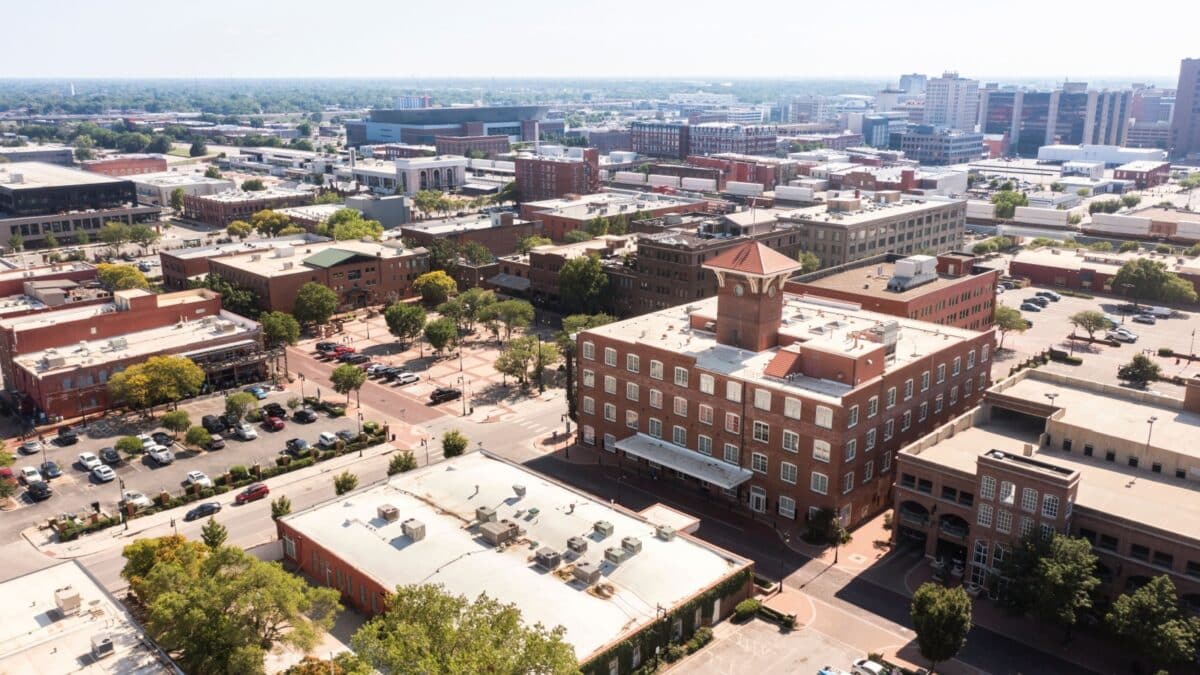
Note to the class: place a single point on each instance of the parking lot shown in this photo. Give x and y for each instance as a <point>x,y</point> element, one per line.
<point>76,489</point>
<point>760,647</point>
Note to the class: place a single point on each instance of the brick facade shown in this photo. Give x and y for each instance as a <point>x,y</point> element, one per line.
<point>540,178</point>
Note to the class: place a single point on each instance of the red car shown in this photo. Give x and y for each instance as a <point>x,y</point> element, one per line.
<point>273,424</point>
<point>252,493</point>
<point>343,349</point>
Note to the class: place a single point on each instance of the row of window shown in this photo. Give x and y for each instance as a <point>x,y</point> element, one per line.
<point>1110,455</point>
<point>1029,497</point>
<point>1163,559</point>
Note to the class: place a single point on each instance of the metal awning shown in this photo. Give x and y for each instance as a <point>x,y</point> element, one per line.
<point>685,461</point>
<point>510,281</point>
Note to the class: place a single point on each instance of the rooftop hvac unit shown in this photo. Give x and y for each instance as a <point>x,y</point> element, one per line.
<point>102,646</point>
<point>498,533</point>
<point>632,544</point>
<point>587,572</point>
<point>577,545</point>
<point>603,528</point>
<point>55,361</point>
<point>519,490</point>
<point>664,532</point>
<point>413,529</point>
<point>485,514</point>
<point>67,600</point>
<point>616,555</point>
<point>547,558</point>
<point>388,512</point>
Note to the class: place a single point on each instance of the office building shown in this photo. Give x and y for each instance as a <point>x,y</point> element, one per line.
<point>1031,459</point>
<point>878,128</point>
<point>951,101</point>
<point>913,83</point>
<point>411,101</point>
<point>423,125</point>
<point>717,137</point>
<point>1112,156</point>
<point>1185,121</point>
<point>604,141</point>
<point>777,404</point>
<point>941,146</point>
<point>126,165</point>
<point>311,216</point>
<point>181,267</point>
<point>1072,115</point>
<point>407,176</point>
<point>155,189</point>
<point>542,177</point>
<point>48,154</point>
<point>668,140</point>
<point>1152,105</point>
<point>560,216</point>
<point>219,209</point>
<point>485,146</point>
<point>1148,135</point>
<point>1094,271</point>
<point>500,232</point>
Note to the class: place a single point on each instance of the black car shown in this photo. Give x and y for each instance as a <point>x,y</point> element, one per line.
<point>50,470</point>
<point>326,346</point>
<point>213,424</point>
<point>205,509</point>
<point>304,415</point>
<point>67,436</point>
<point>109,456</point>
<point>347,435</point>
<point>354,358</point>
<point>274,410</point>
<point>163,438</point>
<point>297,447</point>
<point>443,394</point>
<point>390,374</point>
<point>39,491</point>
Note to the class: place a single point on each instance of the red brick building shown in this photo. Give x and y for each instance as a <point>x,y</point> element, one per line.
<point>1144,174</point>
<point>660,139</point>
<point>180,266</point>
<point>540,178</point>
<point>12,282</point>
<point>125,165</point>
<point>961,293</point>
<point>572,212</point>
<point>499,232</point>
<point>1090,271</point>
<point>223,208</point>
<point>778,404</point>
<point>490,146</point>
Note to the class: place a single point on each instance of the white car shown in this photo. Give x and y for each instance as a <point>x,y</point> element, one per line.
<point>89,461</point>
<point>104,474</point>
<point>1122,335</point>
<point>147,441</point>
<point>407,378</point>
<point>137,499</point>
<point>868,667</point>
<point>246,432</point>
<point>160,454</point>
<point>30,474</point>
<point>198,478</point>
<point>327,439</point>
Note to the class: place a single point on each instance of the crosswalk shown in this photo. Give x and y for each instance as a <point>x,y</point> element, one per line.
<point>537,429</point>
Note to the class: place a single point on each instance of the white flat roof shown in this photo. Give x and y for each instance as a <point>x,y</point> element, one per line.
<point>35,639</point>
<point>481,221</point>
<point>233,196</point>
<point>43,175</point>
<point>318,212</point>
<point>444,497</point>
<point>609,203</point>
<point>694,464</point>
<point>177,179</point>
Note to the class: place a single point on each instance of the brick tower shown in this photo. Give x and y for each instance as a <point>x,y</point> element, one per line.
<point>750,295</point>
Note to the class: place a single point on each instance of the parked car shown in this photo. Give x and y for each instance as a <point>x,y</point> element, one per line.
<point>88,461</point>
<point>245,432</point>
<point>258,392</point>
<point>110,456</point>
<point>1122,335</point>
<point>297,447</point>
<point>30,474</point>
<point>868,667</point>
<point>1038,300</point>
<point>198,478</point>
<point>353,358</point>
<point>40,491</point>
<point>30,448</point>
<point>161,455</point>
<point>67,436</point>
<point>326,346</point>
<point>50,469</point>
<point>1010,285</point>
<point>344,349</point>
<point>390,373</point>
<point>304,416</point>
<point>213,424</point>
<point>375,369</point>
<point>147,441</point>
<point>216,442</point>
<point>347,435</point>
<point>327,439</point>
<point>274,410</point>
<point>1145,318</point>
<point>1000,289</point>
<point>1054,297</point>
<point>253,492</point>
<point>443,394</point>
<point>203,510</point>
<point>104,474</point>
<point>136,498</point>
<point>1160,312</point>
<point>273,424</point>
<point>1030,307</point>
<point>1113,321</point>
<point>407,378</point>
<point>162,438</point>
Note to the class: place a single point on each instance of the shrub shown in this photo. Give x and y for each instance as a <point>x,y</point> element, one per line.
<point>1166,351</point>
<point>239,472</point>
<point>454,443</point>
<point>674,652</point>
<point>401,462</point>
<point>344,482</point>
<point>746,609</point>
<point>254,416</point>
<point>372,428</point>
<point>129,445</point>
<point>703,636</point>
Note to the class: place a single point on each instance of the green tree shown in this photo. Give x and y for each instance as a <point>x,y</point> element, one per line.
<point>160,144</point>
<point>176,421</point>
<point>597,227</point>
<point>427,201</point>
<point>565,339</point>
<point>582,283</point>
<point>531,242</point>
<point>344,482</point>
<point>114,234</point>
<point>1101,246</point>
<point>1090,321</point>
<point>254,185</point>
<point>143,235</point>
<point>426,630</point>
<point>942,619</point>
<point>476,253</point>
<point>269,223</point>
<point>16,242</point>
<point>198,149</point>
<point>435,287</point>
<point>240,229</point>
<point>212,172</point>
<point>404,320</point>
<point>280,507</point>
<point>401,462</point>
<point>1052,579</point>
<point>132,445</point>
<point>279,330</point>
<point>177,196</point>
<point>441,333</point>
<point>81,237</point>
<point>1140,370</point>
<point>355,228</point>
<point>83,147</point>
<point>454,443</point>
<point>1130,201</point>
<point>1007,201</point>
<point>1151,622</point>
<point>197,437</point>
<point>158,379</point>
<point>443,255</point>
<point>809,262</point>
<point>1008,319</point>
<point>213,534</point>
<point>1127,246</point>
<point>474,302</point>
<point>454,310</point>
<point>50,241</point>
<point>514,315</point>
<point>347,378</point>
<point>120,277</point>
<point>508,193</point>
<point>576,236</point>
<point>240,404</point>
<point>234,298</point>
<point>315,303</point>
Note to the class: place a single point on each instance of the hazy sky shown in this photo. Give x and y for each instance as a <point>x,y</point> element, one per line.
<point>797,39</point>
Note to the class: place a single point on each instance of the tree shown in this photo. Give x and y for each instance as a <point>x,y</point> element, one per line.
<point>1127,246</point>
<point>347,378</point>
<point>176,421</point>
<point>83,147</point>
<point>81,237</point>
<point>1150,279</point>
<point>426,630</point>
<point>1151,622</point>
<point>280,507</point>
<point>454,443</point>
<point>315,303</point>
<point>474,302</point>
<point>16,242</point>
<point>50,241</point>
<point>401,463</point>
<point>1008,319</point>
<point>454,310</point>
<point>212,172</point>
<point>942,619</point>
<point>597,227</point>
<point>279,330</point>
<point>254,185</point>
<point>1130,201</point>
<point>809,262</point>
<point>1090,321</point>
<point>132,445</point>
<point>240,404</point>
<point>344,663</point>
<point>269,223</point>
<point>213,534</point>
<point>1052,579</point>
<point>576,236</point>
<point>120,277</point>
<point>158,379</point>
<point>1139,371</point>
<point>441,333</point>
<point>114,233</point>
<point>435,287</point>
<point>514,315</point>
<point>344,482</point>
<point>427,201</point>
<point>566,345</point>
<point>582,283</point>
<point>177,196</point>
<point>354,228</point>
<point>1177,290</point>
<point>1007,201</point>
<point>443,255</point>
<point>404,320</point>
<point>143,235</point>
<point>240,229</point>
<point>531,242</point>
<point>476,253</point>
<point>160,144</point>
<point>197,437</point>
<point>508,193</point>
<point>234,298</point>
<point>198,149</point>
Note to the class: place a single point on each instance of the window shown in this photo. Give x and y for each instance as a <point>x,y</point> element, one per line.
<point>733,391</point>
<point>758,499</point>
<point>707,383</point>
<point>680,406</point>
<point>704,445</point>
<point>589,378</point>
<point>820,450</point>
<point>1026,526</point>
<point>889,430</point>
<point>589,351</point>
<point>1139,552</point>
<point>983,354</point>
<point>589,405</point>
<point>656,370</point>
<point>610,357</point>
<point>983,516</point>
<point>868,471</point>
<point>906,420</point>
<point>705,414</point>
<point>631,391</point>
<point>654,428</point>
<point>937,404</point>
<point>655,399</point>
<point>762,399</point>
<point>681,376</point>
<point>887,462</point>
<point>872,406</point>
<point>762,431</point>
<point>925,381</point>
<point>732,454</point>
<point>758,462</point>
<point>610,412</point>
<point>980,554</point>
<point>824,417</point>
<point>1049,506</point>
<point>953,395</point>
<point>610,442</point>
<point>908,389</point>
<point>788,472</point>
<point>633,363</point>
<point>852,417</point>
<point>847,482</point>
<point>987,488</point>
<point>610,384</point>
<point>679,436</point>
<point>1029,500</point>
<point>631,419</point>
<point>1162,559</point>
<point>851,449</point>
<point>891,397</point>
<point>589,435</point>
<point>1003,521</point>
<point>941,373</point>
<point>1192,569</point>
<point>1107,542</point>
<point>819,483</point>
<point>970,359</point>
<point>923,411</point>
<point>957,366</point>
<point>733,423</point>
<point>787,507</point>
<point>869,440</point>
<point>791,441</point>
<point>791,408</point>
<point>967,386</point>
<point>1008,493</point>
<point>999,555</point>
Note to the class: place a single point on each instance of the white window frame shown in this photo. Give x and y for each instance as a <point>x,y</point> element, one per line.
<point>987,488</point>
<point>891,398</point>
<point>704,445</point>
<point>761,431</point>
<point>791,441</point>
<point>789,473</point>
<point>941,373</point>
<point>872,407</point>
<point>610,412</point>
<point>679,405</point>
<point>852,417</point>
<point>823,416</point>
<point>970,359</point>
<point>681,376</point>
<point>589,405</point>
<point>589,378</point>
<point>631,419</point>
<point>906,420</point>
<point>679,436</point>
<point>654,428</point>
<point>708,384</point>
<point>818,483</point>
<point>925,381</point>
<point>631,391</point>
<point>733,423</point>
<point>957,367</point>
<point>1050,506</point>
<point>908,389</point>
<point>792,408</point>
<point>633,363</point>
<point>656,370</point>
<point>731,454</point>
<point>850,451</point>
<point>1029,500</point>
<point>704,413</point>
<point>655,399</point>
<point>869,440</point>
<point>889,429</point>
<point>984,515</point>
<point>733,391</point>
<point>847,482</point>
<point>821,450</point>
<point>610,384</point>
<point>589,351</point>
<point>762,399</point>
<point>759,462</point>
<point>610,357</point>
<point>787,507</point>
<point>868,471</point>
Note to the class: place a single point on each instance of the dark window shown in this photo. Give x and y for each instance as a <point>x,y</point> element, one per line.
<point>925,486</point>
<point>1193,568</point>
<point>1066,445</point>
<point>1090,535</point>
<point>1110,456</point>
<point>1107,542</point>
<point>1088,449</point>
<point>1133,461</point>
<point>966,498</point>
<point>949,493</point>
<point>1180,473</point>
<point>1164,559</point>
<point>1156,467</point>
<point>908,480</point>
<point>1139,552</point>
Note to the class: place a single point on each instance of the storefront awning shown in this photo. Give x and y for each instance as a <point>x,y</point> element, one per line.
<point>689,462</point>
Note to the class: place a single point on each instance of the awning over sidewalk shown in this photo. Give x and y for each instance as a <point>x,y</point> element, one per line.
<point>685,461</point>
<point>511,282</point>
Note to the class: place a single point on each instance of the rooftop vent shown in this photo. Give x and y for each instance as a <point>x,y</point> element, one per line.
<point>616,555</point>
<point>388,512</point>
<point>413,529</point>
<point>67,600</point>
<point>102,646</point>
<point>587,572</point>
<point>547,558</point>
<point>664,532</point>
<point>485,514</point>
<point>577,545</point>
<point>497,533</point>
<point>603,528</point>
<point>632,544</point>
<point>519,490</point>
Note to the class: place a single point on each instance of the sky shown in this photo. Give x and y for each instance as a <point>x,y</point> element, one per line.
<point>779,39</point>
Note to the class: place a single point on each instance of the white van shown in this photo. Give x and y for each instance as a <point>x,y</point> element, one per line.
<point>868,667</point>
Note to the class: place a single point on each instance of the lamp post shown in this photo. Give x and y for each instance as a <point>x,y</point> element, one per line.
<point>1149,431</point>
<point>1050,397</point>
<point>425,444</point>
<point>784,540</point>
<point>1127,288</point>
<point>121,496</point>
<point>462,387</point>
<point>301,376</point>
<point>566,420</point>
<point>360,421</point>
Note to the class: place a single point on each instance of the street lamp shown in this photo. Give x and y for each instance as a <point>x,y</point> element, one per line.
<point>566,420</point>
<point>784,540</point>
<point>121,487</point>
<point>301,375</point>
<point>1127,288</point>
<point>425,444</point>
<point>360,420</point>
<point>1051,396</point>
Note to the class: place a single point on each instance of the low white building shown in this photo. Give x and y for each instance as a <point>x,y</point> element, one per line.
<point>1110,155</point>
<point>155,188</point>
<point>407,175</point>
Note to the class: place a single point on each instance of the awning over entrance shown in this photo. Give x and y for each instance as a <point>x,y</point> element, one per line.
<point>685,461</point>
<point>510,281</point>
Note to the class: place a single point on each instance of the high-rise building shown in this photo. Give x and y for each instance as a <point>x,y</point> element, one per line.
<point>1068,116</point>
<point>540,178</point>
<point>746,139</point>
<point>660,139</point>
<point>1185,122</point>
<point>913,83</point>
<point>952,101</point>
